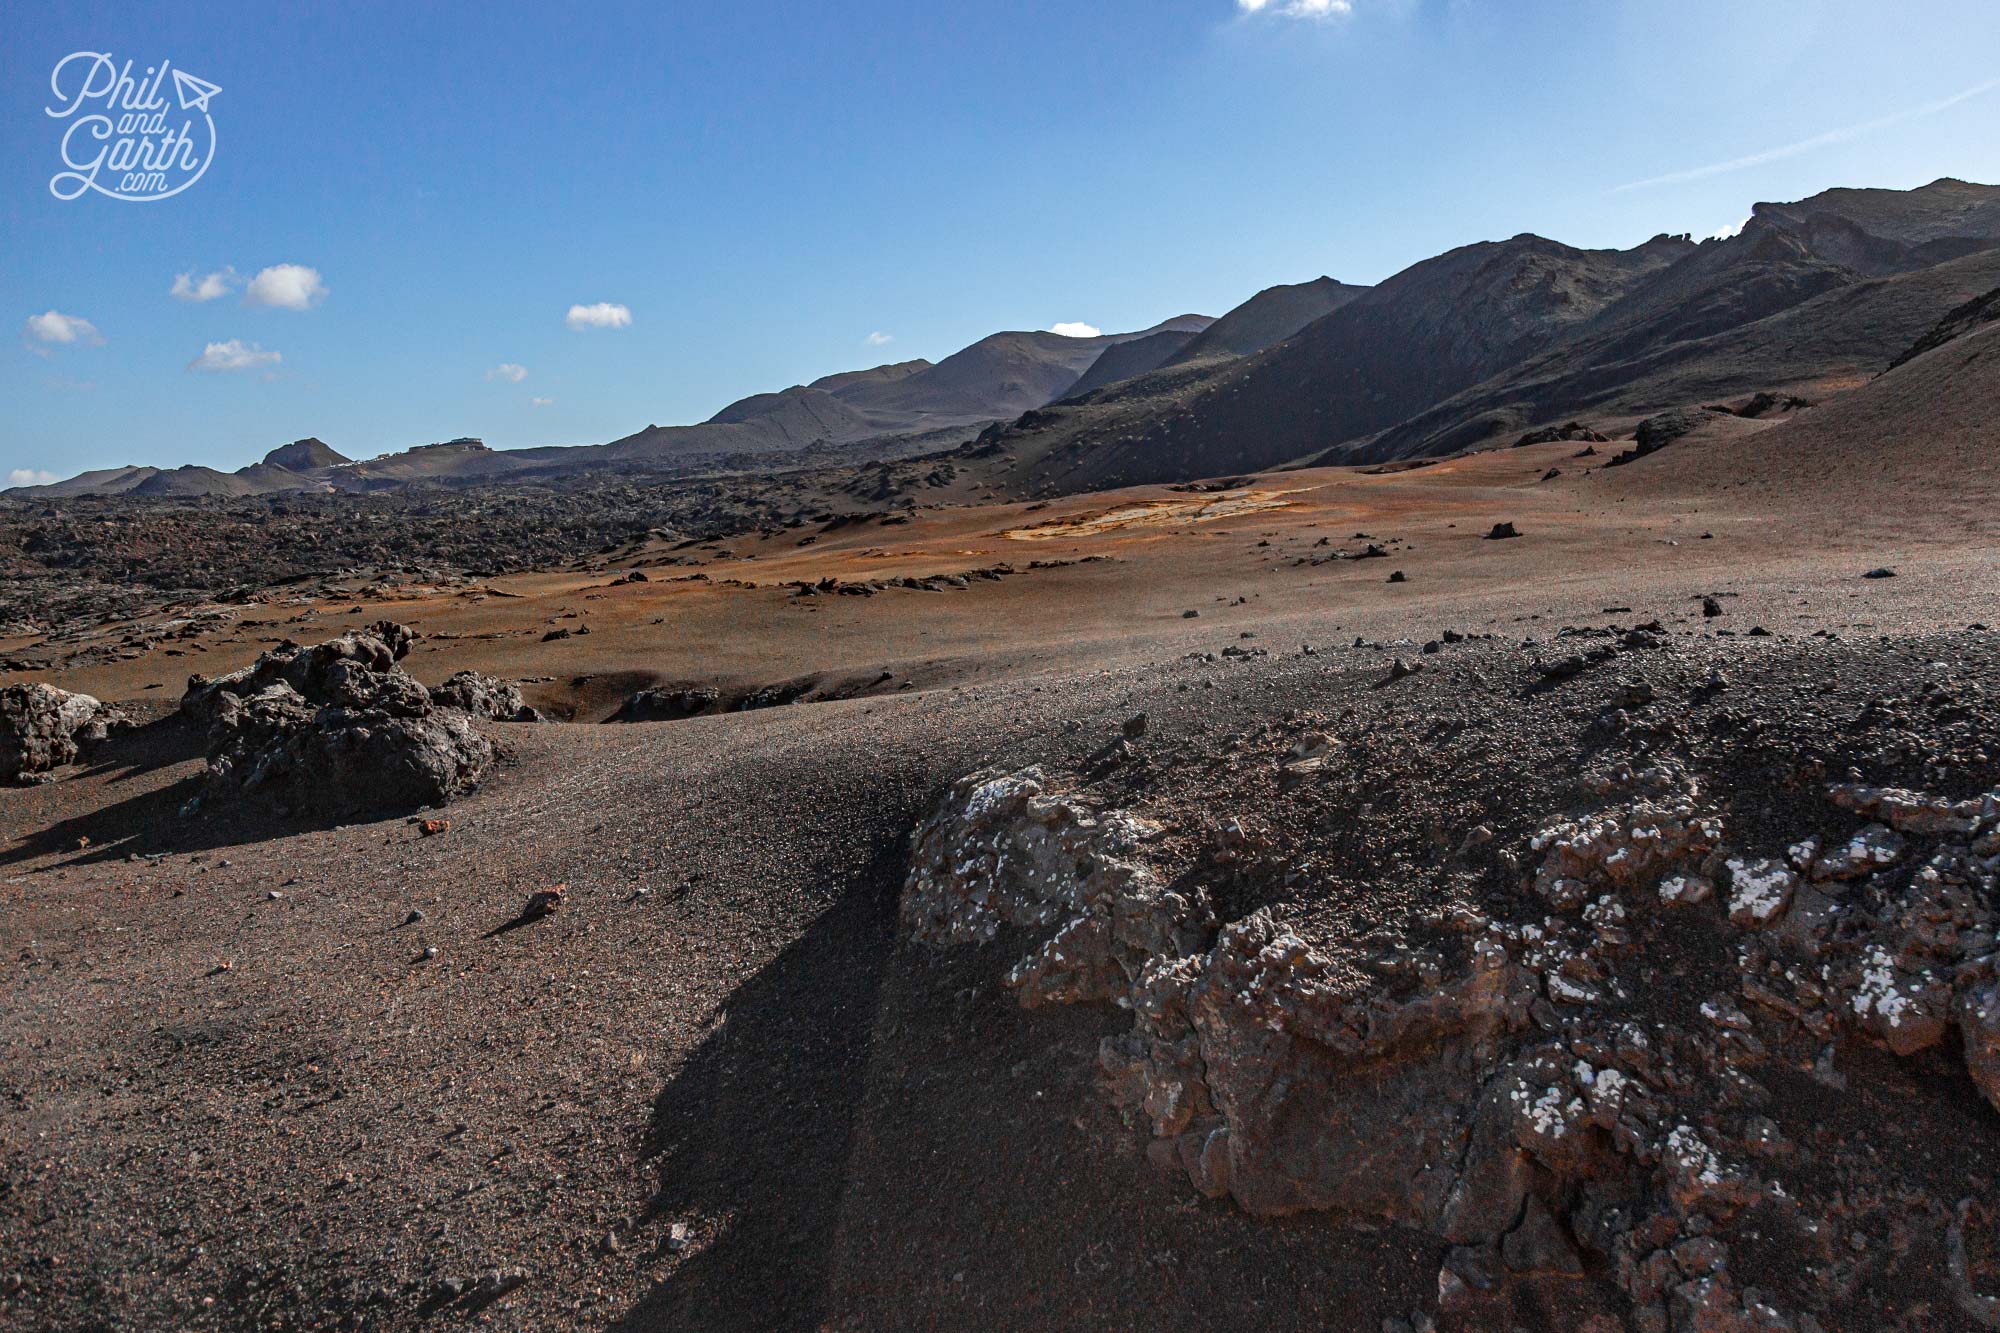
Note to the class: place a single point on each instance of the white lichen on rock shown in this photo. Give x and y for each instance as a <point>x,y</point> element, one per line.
<point>1759,890</point>
<point>1003,852</point>
<point>1293,1072</point>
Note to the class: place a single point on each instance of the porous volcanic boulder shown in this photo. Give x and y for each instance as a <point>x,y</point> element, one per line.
<point>483,697</point>
<point>1569,430</point>
<point>1657,432</point>
<point>1765,403</point>
<point>42,728</point>
<point>335,728</point>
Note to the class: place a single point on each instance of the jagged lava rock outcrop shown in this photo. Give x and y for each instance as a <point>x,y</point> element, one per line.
<point>483,696</point>
<point>339,727</point>
<point>1511,1091</point>
<point>43,728</point>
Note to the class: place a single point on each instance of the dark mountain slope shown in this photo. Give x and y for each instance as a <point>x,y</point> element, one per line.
<point>1122,361</point>
<point>268,478</point>
<point>794,417</point>
<point>997,377</point>
<point>195,480</point>
<point>1423,335</point>
<point>1460,351</point>
<point>1930,427</point>
<point>1893,231</point>
<point>454,461</point>
<point>1268,318</point>
<point>1720,285</point>
<point>1980,310</point>
<point>1834,339</point>
<point>102,481</point>
<point>847,379</point>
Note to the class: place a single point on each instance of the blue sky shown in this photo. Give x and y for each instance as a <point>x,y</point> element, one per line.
<point>405,198</point>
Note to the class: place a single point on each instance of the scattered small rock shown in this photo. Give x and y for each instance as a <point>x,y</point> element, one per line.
<point>541,903</point>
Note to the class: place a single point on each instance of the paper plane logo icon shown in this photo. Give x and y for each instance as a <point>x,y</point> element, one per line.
<point>194,93</point>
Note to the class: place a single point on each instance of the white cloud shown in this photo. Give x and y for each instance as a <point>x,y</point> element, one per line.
<point>508,371</point>
<point>1831,137</point>
<point>541,402</point>
<point>880,339</point>
<point>24,476</point>
<point>1077,330</point>
<point>287,287</point>
<point>1728,232</point>
<point>603,315</point>
<point>55,329</point>
<point>1298,9</point>
<point>233,355</point>
<point>187,287</point>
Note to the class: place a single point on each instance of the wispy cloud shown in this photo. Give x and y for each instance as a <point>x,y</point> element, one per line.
<point>1298,9</point>
<point>233,355</point>
<point>55,329</point>
<point>508,371</point>
<point>603,315</point>
<point>880,339</point>
<point>541,402</point>
<point>23,476</point>
<point>286,287</point>
<point>1076,329</point>
<point>1831,137</point>
<point>209,286</point>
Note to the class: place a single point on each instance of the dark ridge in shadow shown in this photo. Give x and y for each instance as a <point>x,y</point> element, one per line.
<point>761,1117</point>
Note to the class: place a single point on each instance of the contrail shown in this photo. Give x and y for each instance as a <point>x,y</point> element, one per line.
<point>1817,141</point>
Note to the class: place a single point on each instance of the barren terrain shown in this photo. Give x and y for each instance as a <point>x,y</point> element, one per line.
<point>1548,887</point>
<point>241,1095</point>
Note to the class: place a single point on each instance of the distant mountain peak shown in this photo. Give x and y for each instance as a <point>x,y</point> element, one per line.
<point>875,375</point>
<point>1269,317</point>
<point>305,455</point>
